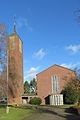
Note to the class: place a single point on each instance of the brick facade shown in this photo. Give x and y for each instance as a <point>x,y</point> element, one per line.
<point>44,81</point>
<point>15,69</point>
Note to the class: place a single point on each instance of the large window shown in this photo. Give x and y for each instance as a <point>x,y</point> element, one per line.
<point>55,84</point>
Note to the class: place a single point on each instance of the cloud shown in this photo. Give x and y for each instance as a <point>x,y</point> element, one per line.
<point>30,76</point>
<point>73,48</point>
<point>70,65</point>
<point>40,54</point>
<point>23,22</point>
<point>31,73</point>
<point>32,69</point>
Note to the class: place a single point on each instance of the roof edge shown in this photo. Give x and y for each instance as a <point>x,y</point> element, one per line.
<point>58,66</point>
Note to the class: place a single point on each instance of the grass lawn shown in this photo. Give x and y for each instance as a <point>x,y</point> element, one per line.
<point>15,113</point>
<point>59,106</point>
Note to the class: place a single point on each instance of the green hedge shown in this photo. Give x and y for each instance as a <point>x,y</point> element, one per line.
<point>35,101</point>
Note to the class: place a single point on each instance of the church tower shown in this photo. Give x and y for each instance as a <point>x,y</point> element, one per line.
<point>15,68</point>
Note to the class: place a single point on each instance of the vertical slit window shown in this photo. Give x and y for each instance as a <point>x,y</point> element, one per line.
<point>55,84</point>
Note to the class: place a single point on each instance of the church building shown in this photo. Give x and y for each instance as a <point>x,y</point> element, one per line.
<point>51,82</point>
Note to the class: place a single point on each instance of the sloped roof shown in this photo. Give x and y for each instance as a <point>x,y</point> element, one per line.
<point>57,66</point>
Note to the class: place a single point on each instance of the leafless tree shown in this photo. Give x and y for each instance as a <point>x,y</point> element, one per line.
<point>3,54</point>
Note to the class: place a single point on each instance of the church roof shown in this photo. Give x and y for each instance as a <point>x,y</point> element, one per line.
<point>57,66</point>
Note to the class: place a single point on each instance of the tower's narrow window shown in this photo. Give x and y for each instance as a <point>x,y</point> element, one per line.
<point>12,43</point>
<point>20,46</point>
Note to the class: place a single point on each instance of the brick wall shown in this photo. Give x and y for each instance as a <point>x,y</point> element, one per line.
<point>15,60</point>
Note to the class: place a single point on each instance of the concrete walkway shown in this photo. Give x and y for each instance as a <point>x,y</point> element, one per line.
<point>57,114</point>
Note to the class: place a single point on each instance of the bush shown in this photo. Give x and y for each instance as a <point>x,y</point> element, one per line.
<point>35,101</point>
<point>70,95</point>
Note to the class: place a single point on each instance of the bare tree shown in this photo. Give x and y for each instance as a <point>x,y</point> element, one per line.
<point>8,69</point>
<point>3,57</point>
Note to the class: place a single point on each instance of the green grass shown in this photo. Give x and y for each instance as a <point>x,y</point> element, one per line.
<point>59,106</point>
<point>67,105</point>
<point>14,113</point>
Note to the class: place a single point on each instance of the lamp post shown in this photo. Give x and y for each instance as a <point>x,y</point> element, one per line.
<point>7,108</point>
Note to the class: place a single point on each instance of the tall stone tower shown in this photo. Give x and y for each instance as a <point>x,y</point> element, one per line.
<point>15,68</point>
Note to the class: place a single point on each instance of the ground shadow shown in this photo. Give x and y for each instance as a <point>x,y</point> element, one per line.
<point>55,113</point>
<point>72,113</point>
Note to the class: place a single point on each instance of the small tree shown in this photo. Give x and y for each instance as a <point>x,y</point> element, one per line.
<point>33,85</point>
<point>71,92</point>
<point>30,87</point>
<point>26,87</point>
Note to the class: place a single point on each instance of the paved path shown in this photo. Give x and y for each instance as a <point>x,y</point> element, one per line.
<point>57,114</point>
